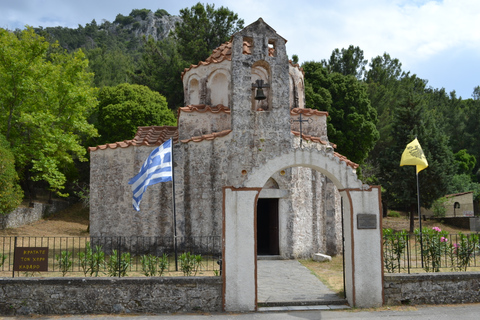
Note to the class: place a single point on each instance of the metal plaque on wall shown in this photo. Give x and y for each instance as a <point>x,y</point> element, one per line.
<point>366,221</point>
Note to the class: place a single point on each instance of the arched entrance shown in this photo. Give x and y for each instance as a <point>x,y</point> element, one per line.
<point>362,226</point>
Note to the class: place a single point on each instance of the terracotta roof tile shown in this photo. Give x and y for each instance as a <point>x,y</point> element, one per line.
<point>308,112</point>
<point>147,136</point>
<point>204,108</point>
<point>207,137</point>
<point>224,52</point>
<point>336,154</point>
<point>312,138</point>
<point>343,158</point>
<point>296,65</point>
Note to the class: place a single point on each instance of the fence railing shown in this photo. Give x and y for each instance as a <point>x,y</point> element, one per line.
<point>431,251</point>
<point>112,256</point>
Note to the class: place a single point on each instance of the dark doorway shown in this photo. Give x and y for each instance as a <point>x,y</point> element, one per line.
<point>267,227</point>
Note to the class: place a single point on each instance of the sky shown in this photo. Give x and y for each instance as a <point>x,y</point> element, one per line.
<point>437,40</point>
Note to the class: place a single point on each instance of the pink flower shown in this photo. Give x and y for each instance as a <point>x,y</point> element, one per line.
<point>456,245</point>
<point>443,239</point>
<point>437,229</point>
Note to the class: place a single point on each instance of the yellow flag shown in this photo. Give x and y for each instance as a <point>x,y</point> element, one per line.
<point>413,156</point>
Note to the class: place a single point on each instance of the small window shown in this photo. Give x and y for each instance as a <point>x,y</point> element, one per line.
<point>247,45</point>
<point>272,50</point>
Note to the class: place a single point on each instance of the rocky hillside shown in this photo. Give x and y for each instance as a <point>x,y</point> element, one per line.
<point>125,33</point>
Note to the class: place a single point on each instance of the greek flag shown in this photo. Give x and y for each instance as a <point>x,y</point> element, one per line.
<point>157,168</point>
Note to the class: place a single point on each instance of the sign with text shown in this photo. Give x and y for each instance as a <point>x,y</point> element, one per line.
<point>366,221</point>
<point>31,259</point>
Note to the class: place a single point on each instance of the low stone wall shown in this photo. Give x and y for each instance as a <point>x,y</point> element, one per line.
<point>22,216</point>
<point>27,296</point>
<point>432,288</point>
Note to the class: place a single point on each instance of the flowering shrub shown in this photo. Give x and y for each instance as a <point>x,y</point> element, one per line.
<point>433,243</point>
<point>393,245</point>
<point>461,253</point>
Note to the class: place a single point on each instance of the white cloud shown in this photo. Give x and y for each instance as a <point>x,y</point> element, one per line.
<point>417,32</point>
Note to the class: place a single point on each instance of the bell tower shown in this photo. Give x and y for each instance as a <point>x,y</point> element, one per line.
<point>260,84</point>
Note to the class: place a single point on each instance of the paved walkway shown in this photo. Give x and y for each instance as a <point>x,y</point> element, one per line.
<point>289,283</point>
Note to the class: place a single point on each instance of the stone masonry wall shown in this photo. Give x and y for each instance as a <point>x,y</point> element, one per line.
<point>27,296</point>
<point>432,288</point>
<point>22,216</point>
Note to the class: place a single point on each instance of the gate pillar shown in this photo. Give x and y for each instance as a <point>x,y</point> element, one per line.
<point>363,247</point>
<point>239,249</point>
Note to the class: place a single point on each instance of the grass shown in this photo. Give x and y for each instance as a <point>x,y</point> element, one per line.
<point>329,272</point>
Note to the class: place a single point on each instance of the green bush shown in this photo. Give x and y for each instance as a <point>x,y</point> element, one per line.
<point>394,214</point>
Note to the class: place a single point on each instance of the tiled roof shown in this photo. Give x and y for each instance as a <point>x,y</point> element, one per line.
<point>204,108</point>
<point>308,112</point>
<point>207,137</point>
<point>312,138</point>
<point>458,194</point>
<point>296,65</point>
<point>224,52</point>
<point>336,154</point>
<point>145,136</point>
<point>343,158</point>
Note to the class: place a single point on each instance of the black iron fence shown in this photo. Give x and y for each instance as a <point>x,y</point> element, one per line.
<point>432,251</point>
<point>110,256</point>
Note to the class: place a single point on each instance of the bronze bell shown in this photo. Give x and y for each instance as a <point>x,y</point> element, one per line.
<point>260,95</point>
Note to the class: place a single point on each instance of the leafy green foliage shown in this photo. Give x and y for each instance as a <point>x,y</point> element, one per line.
<point>438,207</point>
<point>125,107</point>
<point>190,263</point>
<point>10,192</point>
<point>352,120</point>
<point>142,13</point>
<point>153,265</point>
<point>91,260</point>
<point>349,62</point>
<point>394,244</point>
<point>118,264</point>
<point>160,68</point>
<point>64,261</point>
<point>433,244</point>
<point>45,100</point>
<point>202,29</point>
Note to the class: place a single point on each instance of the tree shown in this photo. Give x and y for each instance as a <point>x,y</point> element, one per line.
<point>351,122</point>
<point>45,99</point>
<point>410,120</point>
<point>160,69</point>
<point>347,62</point>
<point>202,29</point>
<point>10,192</point>
<point>123,108</point>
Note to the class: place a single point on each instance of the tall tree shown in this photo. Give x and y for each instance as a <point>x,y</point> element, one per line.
<point>352,120</point>
<point>202,29</point>
<point>411,119</point>
<point>347,62</point>
<point>45,99</point>
<point>160,69</point>
<point>123,108</point>
<point>10,192</point>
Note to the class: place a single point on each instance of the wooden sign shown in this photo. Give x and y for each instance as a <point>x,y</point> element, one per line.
<point>31,259</point>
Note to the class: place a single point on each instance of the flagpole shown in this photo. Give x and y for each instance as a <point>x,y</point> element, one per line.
<point>419,216</point>
<point>174,213</point>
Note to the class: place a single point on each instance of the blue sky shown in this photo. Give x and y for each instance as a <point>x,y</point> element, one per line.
<point>437,40</point>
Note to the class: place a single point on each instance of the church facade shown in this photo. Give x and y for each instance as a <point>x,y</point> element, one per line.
<point>244,105</point>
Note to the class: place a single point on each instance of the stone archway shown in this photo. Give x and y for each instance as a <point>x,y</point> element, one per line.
<point>362,227</point>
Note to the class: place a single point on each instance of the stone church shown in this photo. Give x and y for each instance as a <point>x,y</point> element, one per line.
<point>243,105</point>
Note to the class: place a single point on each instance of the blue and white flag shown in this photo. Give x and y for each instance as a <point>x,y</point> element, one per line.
<point>157,168</point>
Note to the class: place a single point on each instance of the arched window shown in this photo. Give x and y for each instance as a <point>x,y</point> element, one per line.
<point>219,89</point>
<point>194,92</point>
